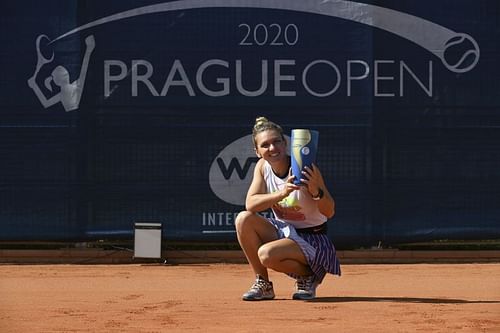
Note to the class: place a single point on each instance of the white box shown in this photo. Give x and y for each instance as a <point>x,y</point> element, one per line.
<point>147,240</point>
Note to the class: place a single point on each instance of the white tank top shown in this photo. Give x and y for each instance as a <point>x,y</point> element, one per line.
<point>298,209</point>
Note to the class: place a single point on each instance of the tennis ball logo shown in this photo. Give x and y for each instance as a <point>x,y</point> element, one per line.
<point>461,53</point>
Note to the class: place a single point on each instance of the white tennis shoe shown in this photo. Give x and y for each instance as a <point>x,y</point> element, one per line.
<point>260,290</point>
<point>305,288</point>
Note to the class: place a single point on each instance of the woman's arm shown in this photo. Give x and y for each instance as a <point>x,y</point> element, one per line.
<point>326,205</point>
<point>315,185</point>
<point>258,199</point>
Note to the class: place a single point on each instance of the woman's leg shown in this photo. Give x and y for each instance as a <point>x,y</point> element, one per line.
<point>284,255</point>
<point>253,231</point>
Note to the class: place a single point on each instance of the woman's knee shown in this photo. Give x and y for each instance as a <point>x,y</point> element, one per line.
<point>253,226</point>
<point>265,255</point>
<point>242,219</point>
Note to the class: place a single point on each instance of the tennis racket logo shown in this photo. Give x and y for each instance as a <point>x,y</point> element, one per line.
<point>68,93</point>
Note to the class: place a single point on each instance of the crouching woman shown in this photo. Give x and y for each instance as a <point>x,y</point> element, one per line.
<point>295,240</point>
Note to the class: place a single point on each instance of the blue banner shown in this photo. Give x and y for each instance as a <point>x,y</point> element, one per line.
<point>117,111</point>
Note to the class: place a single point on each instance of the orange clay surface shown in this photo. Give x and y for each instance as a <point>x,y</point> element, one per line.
<point>206,298</point>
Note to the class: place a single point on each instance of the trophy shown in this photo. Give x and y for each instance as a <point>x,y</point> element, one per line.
<point>304,144</point>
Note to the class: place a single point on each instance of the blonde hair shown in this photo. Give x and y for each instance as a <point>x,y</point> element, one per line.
<point>263,124</point>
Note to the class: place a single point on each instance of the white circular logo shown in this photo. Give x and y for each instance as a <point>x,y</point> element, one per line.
<point>305,150</point>
<point>231,171</point>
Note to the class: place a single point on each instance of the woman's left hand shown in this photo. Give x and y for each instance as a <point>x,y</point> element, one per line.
<point>313,179</point>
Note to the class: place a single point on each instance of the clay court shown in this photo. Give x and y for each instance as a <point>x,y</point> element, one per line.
<point>206,298</point>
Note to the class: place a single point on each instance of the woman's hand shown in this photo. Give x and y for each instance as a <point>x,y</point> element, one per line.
<point>289,186</point>
<point>313,179</point>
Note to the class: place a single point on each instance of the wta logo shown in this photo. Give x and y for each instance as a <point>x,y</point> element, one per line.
<point>231,171</point>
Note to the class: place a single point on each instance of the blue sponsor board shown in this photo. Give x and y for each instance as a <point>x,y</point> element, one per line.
<point>118,111</point>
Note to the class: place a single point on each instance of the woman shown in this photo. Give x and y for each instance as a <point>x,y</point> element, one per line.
<point>295,240</point>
